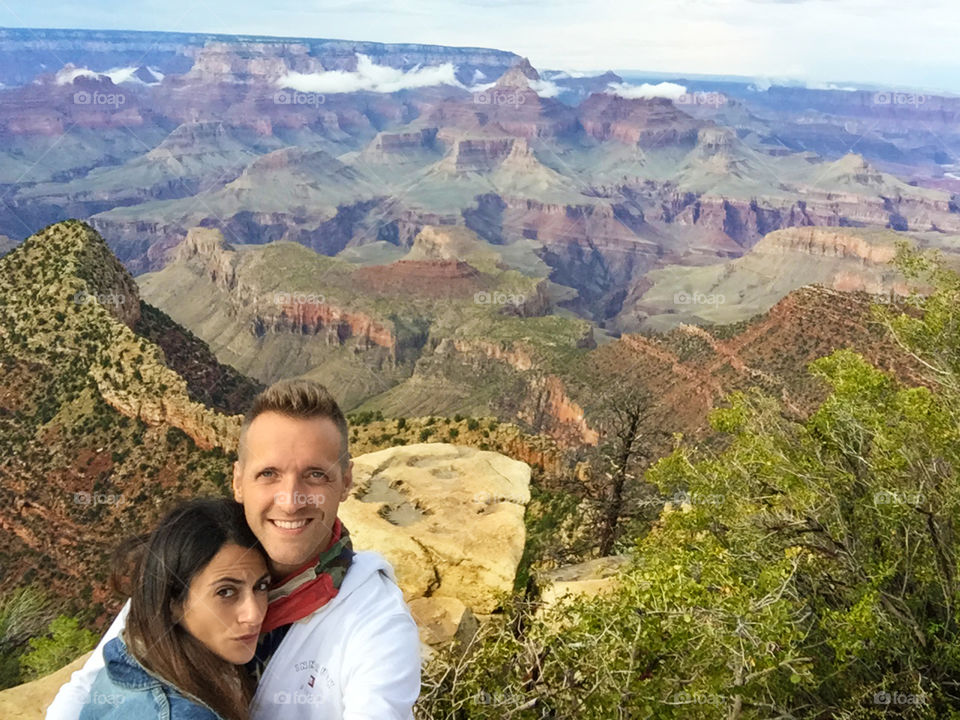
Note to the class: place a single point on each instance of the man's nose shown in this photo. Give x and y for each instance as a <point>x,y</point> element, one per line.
<point>291,496</point>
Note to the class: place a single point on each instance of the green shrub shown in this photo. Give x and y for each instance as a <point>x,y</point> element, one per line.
<point>64,642</point>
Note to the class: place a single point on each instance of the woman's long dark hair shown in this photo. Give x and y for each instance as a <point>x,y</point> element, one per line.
<point>155,570</point>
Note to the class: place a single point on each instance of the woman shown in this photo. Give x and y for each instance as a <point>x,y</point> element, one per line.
<point>199,598</point>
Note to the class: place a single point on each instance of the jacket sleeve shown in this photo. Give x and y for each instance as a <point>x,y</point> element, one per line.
<point>72,696</point>
<point>382,670</point>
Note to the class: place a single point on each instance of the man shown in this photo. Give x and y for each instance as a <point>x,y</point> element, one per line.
<point>338,640</point>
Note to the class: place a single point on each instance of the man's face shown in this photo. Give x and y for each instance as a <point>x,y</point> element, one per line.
<point>290,482</point>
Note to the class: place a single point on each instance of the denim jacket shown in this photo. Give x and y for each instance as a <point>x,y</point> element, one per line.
<point>124,690</point>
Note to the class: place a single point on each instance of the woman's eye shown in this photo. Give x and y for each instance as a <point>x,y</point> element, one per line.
<point>263,586</point>
<point>226,592</point>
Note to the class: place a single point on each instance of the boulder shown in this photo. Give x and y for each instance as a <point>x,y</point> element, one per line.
<point>449,518</point>
<point>590,578</point>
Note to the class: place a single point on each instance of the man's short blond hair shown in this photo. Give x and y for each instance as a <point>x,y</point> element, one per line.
<point>301,400</point>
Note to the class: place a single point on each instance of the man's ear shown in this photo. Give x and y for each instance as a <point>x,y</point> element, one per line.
<point>347,481</point>
<point>237,483</point>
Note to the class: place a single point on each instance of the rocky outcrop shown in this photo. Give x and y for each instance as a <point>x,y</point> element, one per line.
<point>827,243</point>
<point>590,579</point>
<point>649,123</point>
<point>206,251</point>
<point>388,147</point>
<point>430,278</point>
<point>546,405</point>
<point>449,518</point>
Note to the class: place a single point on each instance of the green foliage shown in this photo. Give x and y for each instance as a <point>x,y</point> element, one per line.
<point>425,434</point>
<point>65,641</point>
<point>472,423</point>
<point>364,417</point>
<point>24,612</point>
<point>804,569</point>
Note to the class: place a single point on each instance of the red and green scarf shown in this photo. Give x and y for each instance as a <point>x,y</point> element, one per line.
<point>312,585</point>
<point>306,589</point>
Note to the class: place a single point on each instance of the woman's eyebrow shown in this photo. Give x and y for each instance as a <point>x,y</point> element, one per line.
<point>226,578</point>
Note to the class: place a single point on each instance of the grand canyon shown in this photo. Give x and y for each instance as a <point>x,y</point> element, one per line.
<point>444,236</point>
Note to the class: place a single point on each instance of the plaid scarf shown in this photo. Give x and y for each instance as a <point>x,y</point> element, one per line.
<point>306,589</point>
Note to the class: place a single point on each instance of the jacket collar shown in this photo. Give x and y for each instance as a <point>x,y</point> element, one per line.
<point>124,669</point>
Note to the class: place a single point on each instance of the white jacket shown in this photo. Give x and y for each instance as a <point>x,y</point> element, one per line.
<point>356,658</point>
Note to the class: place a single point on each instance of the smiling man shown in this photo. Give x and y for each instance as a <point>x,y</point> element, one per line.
<point>338,640</point>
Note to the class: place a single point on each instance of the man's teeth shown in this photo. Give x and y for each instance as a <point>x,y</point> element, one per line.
<point>290,524</point>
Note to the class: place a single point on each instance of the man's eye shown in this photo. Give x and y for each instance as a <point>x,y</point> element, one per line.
<point>266,473</point>
<point>318,475</point>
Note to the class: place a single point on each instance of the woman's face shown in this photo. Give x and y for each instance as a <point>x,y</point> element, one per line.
<point>226,603</point>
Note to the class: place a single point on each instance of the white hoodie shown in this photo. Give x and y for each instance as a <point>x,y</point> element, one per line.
<point>356,658</point>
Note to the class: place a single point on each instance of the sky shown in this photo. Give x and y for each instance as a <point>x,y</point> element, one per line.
<point>900,44</point>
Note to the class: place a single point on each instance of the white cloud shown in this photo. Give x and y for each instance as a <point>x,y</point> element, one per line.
<point>673,91</point>
<point>568,74</point>
<point>371,77</point>
<point>543,88</point>
<point>69,73</point>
